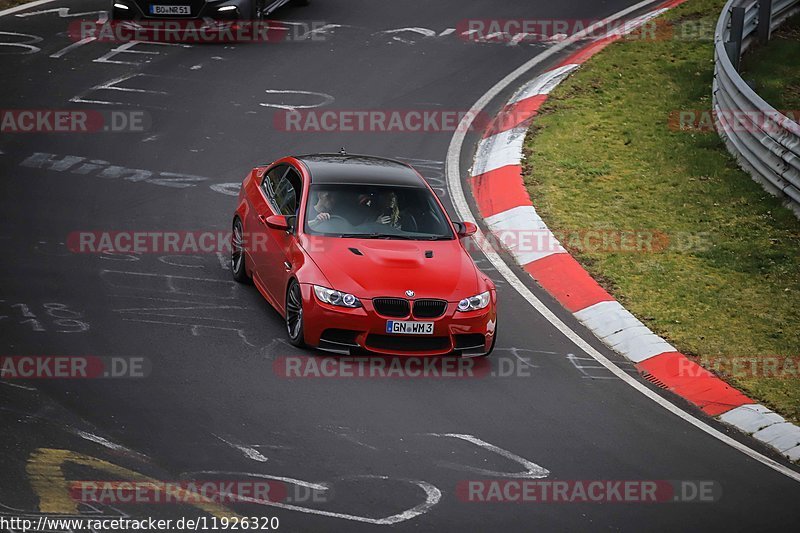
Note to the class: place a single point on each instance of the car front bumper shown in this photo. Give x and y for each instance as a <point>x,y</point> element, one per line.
<point>348,331</point>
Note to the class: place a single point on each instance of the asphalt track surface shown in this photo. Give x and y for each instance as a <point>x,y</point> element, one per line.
<point>213,397</point>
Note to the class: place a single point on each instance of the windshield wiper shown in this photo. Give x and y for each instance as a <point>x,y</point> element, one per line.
<point>388,236</point>
<point>435,238</point>
<point>371,236</point>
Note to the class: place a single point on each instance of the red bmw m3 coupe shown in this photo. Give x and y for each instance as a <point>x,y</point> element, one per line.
<point>358,254</point>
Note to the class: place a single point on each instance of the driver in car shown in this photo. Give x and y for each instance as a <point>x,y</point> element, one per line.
<point>321,211</point>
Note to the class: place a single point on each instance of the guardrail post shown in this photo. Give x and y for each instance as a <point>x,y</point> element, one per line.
<point>734,45</point>
<point>764,21</point>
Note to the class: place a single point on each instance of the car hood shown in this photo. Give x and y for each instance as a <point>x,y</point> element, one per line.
<point>391,267</point>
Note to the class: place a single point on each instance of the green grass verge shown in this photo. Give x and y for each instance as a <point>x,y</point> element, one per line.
<point>774,69</point>
<point>601,155</point>
<point>5,4</point>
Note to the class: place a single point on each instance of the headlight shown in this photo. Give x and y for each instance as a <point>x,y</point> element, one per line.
<point>338,298</point>
<point>226,8</point>
<point>473,303</point>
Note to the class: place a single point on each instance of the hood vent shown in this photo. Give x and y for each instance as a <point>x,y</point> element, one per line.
<point>428,254</point>
<point>355,251</point>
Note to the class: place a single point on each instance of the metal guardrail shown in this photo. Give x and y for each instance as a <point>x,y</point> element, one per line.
<point>765,142</point>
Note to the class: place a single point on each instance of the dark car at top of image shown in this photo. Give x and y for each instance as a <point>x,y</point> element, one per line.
<point>196,9</point>
<point>357,253</point>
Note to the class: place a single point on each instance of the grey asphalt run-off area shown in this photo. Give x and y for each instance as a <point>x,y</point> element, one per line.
<point>212,405</point>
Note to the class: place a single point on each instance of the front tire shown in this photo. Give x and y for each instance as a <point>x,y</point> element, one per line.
<point>238,268</point>
<point>494,341</point>
<point>294,315</point>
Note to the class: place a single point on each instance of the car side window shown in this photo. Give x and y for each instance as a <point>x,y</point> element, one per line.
<point>285,197</point>
<point>290,186</point>
<point>281,186</point>
<point>270,183</point>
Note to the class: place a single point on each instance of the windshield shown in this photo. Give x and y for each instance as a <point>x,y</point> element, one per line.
<point>376,212</point>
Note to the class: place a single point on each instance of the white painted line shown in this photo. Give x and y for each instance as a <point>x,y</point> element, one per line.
<point>71,47</point>
<point>23,7</point>
<point>532,470</point>
<point>751,418</point>
<point>101,441</point>
<point>324,99</point>
<point>62,12</point>
<point>239,475</point>
<point>500,150</point>
<point>523,233</point>
<point>461,206</point>
<point>248,451</point>
<point>432,496</point>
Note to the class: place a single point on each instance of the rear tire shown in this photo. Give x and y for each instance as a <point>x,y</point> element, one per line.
<point>294,315</point>
<point>238,268</point>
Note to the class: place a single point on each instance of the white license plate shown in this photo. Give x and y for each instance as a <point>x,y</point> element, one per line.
<point>409,328</point>
<point>170,10</point>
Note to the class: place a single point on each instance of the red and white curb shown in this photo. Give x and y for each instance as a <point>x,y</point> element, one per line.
<point>504,204</point>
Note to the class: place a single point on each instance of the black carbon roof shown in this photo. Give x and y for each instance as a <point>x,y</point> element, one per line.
<point>359,169</point>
